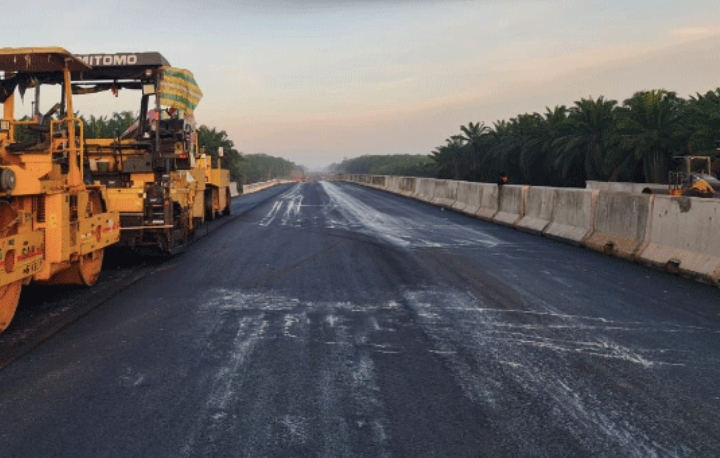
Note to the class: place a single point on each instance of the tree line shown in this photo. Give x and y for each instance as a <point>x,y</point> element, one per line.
<point>399,164</point>
<point>594,139</point>
<point>262,167</point>
<point>244,168</point>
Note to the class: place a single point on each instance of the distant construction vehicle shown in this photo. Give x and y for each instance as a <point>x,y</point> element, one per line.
<point>54,222</point>
<point>696,179</point>
<point>158,179</point>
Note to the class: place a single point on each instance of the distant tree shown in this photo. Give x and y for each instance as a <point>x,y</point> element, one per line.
<point>393,164</point>
<point>650,125</point>
<point>591,126</point>
<point>476,151</point>
<point>104,127</point>
<point>262,167</point>
<point>702,122</point>
<point>210,140</point>
<point>541,170</point>
<point>504,150</point>
<point>450,158</point>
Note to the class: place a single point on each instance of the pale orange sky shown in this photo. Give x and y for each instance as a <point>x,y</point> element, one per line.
<point>318,80</point>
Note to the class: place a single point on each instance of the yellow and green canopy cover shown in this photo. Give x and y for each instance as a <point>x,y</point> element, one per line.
<point>178,89</point>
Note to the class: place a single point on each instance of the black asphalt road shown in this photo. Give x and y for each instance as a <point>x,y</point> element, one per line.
<point>333,320</point>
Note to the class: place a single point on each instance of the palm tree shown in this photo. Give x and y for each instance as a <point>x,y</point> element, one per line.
<point>94,127</point>
<point>120,122</point>
<point>473,135</point>
<point>503,150</point>
<point>652,131</point>
<point>529,146</point>
<point>582,150</point>
<point>448,158</point>
<point>701,115</point>
<point>555,125</point>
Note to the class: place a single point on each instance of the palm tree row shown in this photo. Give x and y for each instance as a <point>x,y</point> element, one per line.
<point>108,127</point>
<point>595,139</point>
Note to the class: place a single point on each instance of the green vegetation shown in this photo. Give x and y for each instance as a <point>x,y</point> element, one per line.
<point>261,167</point>
<point>210,140</point>
<point>595,139</point>
<point>399,164</point>
<point>108,127</point>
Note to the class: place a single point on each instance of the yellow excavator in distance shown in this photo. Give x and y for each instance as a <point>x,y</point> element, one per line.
<point>696,180</point>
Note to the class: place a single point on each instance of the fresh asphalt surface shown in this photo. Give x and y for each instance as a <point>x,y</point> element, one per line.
<point>333,320</point>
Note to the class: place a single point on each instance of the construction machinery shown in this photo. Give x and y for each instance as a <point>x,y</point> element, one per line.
<point>158,179</point>
<point>54,222</point>
<point>696,179</point>
<point>217,197</point>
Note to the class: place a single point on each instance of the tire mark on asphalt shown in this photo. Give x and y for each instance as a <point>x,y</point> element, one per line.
<point>533,370</point>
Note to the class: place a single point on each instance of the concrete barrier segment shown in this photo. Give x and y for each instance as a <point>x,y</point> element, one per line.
<point>445,193</point>
<point>572,215</point>
<point>635,188</point>
<point>378,181</point>
<point>537,214</point>
<point>392,184</point>
<point>488,201</point>
<point>683,237</point>
<point>234,189</point>
<point>407,186</point>
<point>425,189</point>
<point>469,197</point>
<point>511,203</point>
<point>620,223</point>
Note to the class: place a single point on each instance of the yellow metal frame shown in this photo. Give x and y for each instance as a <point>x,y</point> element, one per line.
<point>28,252</point>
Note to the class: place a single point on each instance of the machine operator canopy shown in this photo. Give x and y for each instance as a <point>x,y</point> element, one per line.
<point>29,67</point>
<point>175,87</point>
<point>39,60</point>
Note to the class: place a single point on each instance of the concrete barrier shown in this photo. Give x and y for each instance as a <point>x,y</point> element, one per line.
<point>683,237</point>
<point>488,201</point>
<point>572,215</point>
<point>511,205</point>
<point>234,189</point>
<point>537,214</point>
<point>445,193</point>
<point>425,189</point>
<point>407,186</point>
<point>378,181</point>
<point>469,197</point>
<point>620,223</point>
<point>635,188</point>
<point>392,184</point>
<point>259,186</point>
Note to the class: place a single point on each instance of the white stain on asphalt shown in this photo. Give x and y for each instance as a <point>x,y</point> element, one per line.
<point>291,201</point>
<point>470,337</point>
<point>272,214</point>
<point>348,368</point>
<point>400,231</point>
<point>489,353</point>
<point>290,321</point>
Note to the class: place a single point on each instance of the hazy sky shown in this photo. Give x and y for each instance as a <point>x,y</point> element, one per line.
<point>316,81</point>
